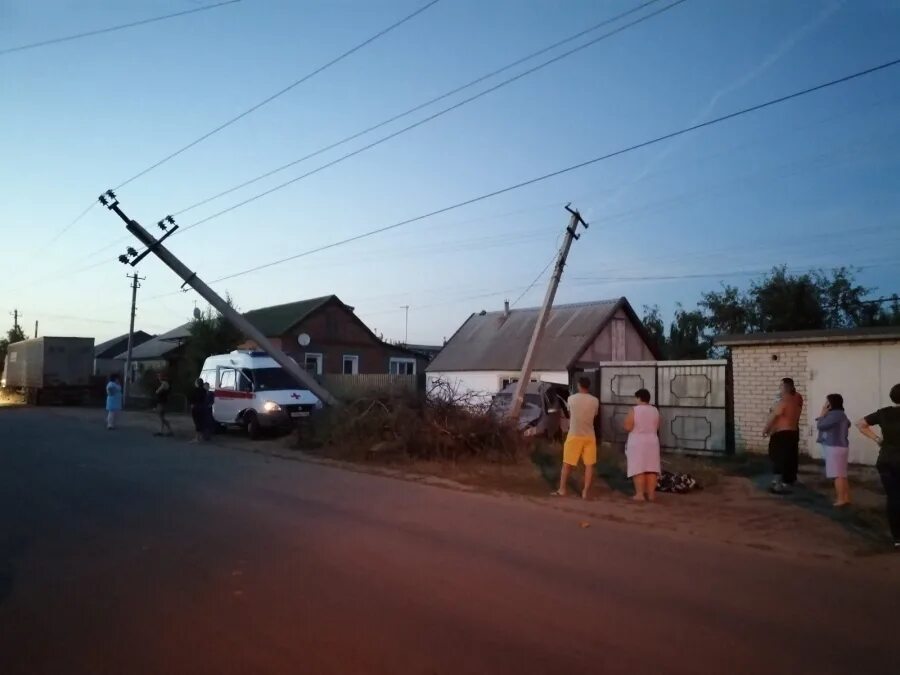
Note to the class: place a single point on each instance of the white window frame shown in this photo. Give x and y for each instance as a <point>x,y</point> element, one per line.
<point>352,358</point>
<point>320,361</point>
<point>398,360</point>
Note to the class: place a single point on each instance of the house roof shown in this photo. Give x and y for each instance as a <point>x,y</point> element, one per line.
<point>160,346</point>
<point>112,348</point>
<point>279,319</point>
<point>871,334</point>
<point>495,341</point>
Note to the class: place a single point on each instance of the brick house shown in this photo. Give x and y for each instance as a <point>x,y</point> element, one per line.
<point>861,364</point>
<point>327,337</point>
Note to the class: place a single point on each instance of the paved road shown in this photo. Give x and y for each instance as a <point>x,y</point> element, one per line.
<point>120,553</point>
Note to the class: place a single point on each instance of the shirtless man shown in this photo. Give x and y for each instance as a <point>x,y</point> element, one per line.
<point>783,430</point>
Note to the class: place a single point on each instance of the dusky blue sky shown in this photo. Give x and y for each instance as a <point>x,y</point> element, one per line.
<point>812,183</point>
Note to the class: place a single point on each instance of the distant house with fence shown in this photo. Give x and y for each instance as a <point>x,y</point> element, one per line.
<point>322,334</point>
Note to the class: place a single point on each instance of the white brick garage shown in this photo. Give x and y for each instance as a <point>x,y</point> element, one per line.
<point>860,364</point>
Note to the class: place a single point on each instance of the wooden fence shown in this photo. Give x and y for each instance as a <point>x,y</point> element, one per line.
<point>349,386</point>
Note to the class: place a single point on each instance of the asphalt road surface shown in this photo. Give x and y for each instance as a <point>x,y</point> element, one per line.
<point>125,554</point>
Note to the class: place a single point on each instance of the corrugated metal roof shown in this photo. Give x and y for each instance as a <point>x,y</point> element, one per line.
<point>493,341</point>
<point>870,334</point>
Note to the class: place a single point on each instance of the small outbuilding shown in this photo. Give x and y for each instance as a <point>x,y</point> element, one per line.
<point>861,364</point>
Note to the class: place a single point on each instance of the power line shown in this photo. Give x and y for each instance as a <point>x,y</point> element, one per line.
<point>645,208</point>
<point>281,92</point>
<point>418,107</point>
<point>240,116</point>
<point>568,169</point>
<point>536,279</point>
<point>110,29</point>
<point>425,120</point>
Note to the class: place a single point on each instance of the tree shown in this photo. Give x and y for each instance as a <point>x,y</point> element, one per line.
<point>656,329</point>
<point>781,301</point>
<point>14,334</point>
<point>686,338</point>
<point>211,334</point>
<point>728,312</point>
<point>687,335</point>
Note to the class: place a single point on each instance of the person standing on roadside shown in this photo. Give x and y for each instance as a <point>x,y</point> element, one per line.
<point>198,410</point>
<point>162,399</point>
<point>834,435</point>
<point>888,463</point>
<point>581,442</point>
<point>642,449</point>
<point>113,401</point>
<point>783,430</point>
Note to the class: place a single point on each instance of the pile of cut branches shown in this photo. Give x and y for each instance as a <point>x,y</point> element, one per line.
<point>442,424</point>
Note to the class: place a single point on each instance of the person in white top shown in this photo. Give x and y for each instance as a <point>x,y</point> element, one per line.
<point>642,447</point>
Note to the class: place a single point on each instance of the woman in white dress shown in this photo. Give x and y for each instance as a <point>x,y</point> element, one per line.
<point>642,448</point>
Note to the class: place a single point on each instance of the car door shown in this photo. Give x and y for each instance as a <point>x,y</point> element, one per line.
<point>226,406</point>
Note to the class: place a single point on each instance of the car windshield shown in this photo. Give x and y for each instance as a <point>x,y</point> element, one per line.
<point>270,379</point>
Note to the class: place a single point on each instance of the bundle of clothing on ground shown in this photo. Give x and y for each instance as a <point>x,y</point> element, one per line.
<point>678,483</point>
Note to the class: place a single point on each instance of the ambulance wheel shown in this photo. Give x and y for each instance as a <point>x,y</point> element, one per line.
<point>251,421</point>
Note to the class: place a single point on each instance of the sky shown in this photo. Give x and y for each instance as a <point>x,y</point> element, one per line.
<point>811,183</point>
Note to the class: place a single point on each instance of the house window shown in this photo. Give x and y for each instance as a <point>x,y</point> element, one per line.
<point>351,365</point>
<point>403,366</point>
<point>314,364</point>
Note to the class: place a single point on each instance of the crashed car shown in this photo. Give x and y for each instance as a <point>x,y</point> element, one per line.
<point>544,411</point>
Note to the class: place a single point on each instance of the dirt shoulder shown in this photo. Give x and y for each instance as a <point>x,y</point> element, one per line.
<point>733,507</point>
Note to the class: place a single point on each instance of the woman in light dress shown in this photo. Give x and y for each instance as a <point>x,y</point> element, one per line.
<point>642,448</point>
<point>833,426</point>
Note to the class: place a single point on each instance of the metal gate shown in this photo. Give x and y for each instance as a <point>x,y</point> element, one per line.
<point>692,398</point>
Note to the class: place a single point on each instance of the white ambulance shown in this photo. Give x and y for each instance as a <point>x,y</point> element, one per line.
<point>253,392</point>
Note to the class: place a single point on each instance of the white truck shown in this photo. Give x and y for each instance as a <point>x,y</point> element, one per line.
<point>253,392</point>
<point>50,369</point>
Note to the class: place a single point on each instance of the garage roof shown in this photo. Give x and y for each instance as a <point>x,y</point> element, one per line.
<point>872,334</point>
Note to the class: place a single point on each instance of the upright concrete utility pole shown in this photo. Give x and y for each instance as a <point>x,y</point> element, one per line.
<point>135,285</point>
<point>35,328</point>
<point>525,376</point>
<point>155,246</point>
<point>15,314</point>
<point>406,332</point>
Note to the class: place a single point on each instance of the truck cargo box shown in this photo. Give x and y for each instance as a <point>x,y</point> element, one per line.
<point>49,363</point>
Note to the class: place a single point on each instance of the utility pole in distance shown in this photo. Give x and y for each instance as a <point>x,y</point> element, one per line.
<point>525,376</point>
<point>406,331</point>
<point>135,285</point>
<point>108,199</point>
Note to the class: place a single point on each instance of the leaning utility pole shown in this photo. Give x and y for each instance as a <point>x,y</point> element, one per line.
<point>108,199</point>
<point>525,376</point>
<point>135,285</point>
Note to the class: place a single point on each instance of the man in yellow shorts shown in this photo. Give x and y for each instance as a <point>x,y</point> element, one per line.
<point>581,443</point>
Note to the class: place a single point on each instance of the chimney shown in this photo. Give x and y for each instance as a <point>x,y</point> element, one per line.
<point>506,308</point>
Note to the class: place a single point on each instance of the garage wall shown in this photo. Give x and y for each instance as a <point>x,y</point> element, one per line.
<point>757,371</point>
<point>862,372</point>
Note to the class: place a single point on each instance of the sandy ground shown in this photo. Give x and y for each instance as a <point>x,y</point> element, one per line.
<point>735,510</point>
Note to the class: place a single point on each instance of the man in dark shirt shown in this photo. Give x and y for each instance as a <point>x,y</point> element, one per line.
<point>888,463</point>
